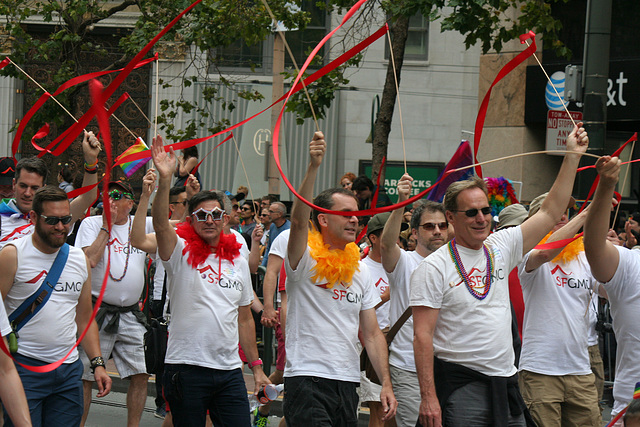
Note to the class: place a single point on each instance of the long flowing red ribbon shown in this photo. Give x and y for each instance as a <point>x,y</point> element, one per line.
<point>295,88</point>
<point>482,113</point>
<point>45,96</point>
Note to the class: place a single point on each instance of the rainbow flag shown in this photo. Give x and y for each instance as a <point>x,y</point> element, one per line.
<point>130,168</point>
<point>462,157</point>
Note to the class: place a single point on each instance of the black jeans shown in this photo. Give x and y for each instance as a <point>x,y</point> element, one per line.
<point>313,401</point>
<point>192,390</point>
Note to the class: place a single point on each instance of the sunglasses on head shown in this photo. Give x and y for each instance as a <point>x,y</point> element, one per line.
<point>202,214</point>
<point>117,195</point>
<point>53,220</point>
<point>430,226</point>
<point>473,212</point>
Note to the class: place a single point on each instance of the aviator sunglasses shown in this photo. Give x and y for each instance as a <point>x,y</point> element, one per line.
<point>53,220</point>
<point>473,212</point>
<point>202,214</point>
<point>117,195</point>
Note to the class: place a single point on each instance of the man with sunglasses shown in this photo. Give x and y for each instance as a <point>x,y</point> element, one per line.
<point>122,324</point>
<point>430,229</point>
<point>330,298</point>
<point>461,310</point>
<point>209,285</point>
<point>55,397</point>
<point>31,174</point>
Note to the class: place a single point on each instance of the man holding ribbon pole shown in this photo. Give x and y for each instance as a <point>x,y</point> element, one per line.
<point>330,297</point>
<point>461,310</point>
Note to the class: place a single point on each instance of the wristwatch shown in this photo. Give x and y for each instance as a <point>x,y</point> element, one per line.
<point>255,363</point>
<point>99,361</point>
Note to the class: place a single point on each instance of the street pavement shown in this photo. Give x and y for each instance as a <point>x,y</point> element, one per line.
<point>111,411</point>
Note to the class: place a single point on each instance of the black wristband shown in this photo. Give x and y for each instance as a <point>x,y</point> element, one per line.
<point>95,363</point>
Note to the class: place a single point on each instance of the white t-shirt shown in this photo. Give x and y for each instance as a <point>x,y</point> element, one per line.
<point>244,250</point>
<point>127,291</point>
<point>204,309</point>
<point>401,348</point>
<point>379,278</point>
<point>555,328</point>
<point>594,338</point>
<point>322,323</point>
<point>14,226</point>
<point>624,295</point>
<point>279,245</point>
<point>51,333</point>
<point>5,327</point>
<point>471,332</point>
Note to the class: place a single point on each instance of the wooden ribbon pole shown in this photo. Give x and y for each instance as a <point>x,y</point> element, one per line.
<point>395,77</point>
<point>513,156</point>
<point>624,182</point>
<point>295,64</point>
<point>561,98</point>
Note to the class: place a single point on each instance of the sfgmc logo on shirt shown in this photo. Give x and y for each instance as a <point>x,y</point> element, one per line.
<point>211,276</point>
<point>342,294</point>
<point>382,285</point>
<point>60,286</point>
<point>564,279</point>
<point>478,278</point>
<point>118,247</point>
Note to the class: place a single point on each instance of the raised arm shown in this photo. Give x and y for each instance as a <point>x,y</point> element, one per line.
<point>165,165</point>
<point>90,148</point>
<point>11,391</point>
<point>254,254</point>
<point>536,227</point>
<point>388,240</point>
<point>300,212</point>
<point>539,257</point>
<point>139,237</point>
<point>602,256</point>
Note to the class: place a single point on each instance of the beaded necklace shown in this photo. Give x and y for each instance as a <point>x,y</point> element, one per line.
<point>126,262</point>
<point>457,261</point>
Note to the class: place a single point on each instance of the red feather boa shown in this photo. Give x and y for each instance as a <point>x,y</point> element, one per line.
<point>228,247</point>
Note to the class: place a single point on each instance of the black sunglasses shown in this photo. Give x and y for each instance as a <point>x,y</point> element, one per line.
<point>245,208</point>
<point>473,212</point>
<point>183,203</point>
<point>117,195</point>
<point>430,226</point>
<point>53,220</point>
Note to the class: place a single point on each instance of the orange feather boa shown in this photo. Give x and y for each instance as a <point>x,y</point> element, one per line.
<point>333,265</point>
<point>570,252</point>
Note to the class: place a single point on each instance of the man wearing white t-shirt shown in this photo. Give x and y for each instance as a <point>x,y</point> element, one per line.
<point>461,309</point>
<point>430,228</point>
<point>369,391</point>
<point>555,375</point>
<point>11,391</point>
<point>55,397</point>
<point>122,324</point>
<point>330,296</point>
<point>209,285</point>
<point>618,268</point>
<point>31,174</point>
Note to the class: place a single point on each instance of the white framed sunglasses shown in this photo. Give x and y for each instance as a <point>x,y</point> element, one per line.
<point>202,214</point>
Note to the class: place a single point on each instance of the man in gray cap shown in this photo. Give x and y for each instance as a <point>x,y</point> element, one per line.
<point>512,216</point>
<point>555,375</point>
<point>369,391</point>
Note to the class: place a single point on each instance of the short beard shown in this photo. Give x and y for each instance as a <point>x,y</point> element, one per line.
<point>46,238</point>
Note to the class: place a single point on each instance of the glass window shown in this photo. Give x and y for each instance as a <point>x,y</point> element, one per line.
<point>417,47</point>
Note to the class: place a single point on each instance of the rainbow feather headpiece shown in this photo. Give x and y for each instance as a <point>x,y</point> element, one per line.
<point>333,265</point>
<point>500,194</point>
<point>130,168</point>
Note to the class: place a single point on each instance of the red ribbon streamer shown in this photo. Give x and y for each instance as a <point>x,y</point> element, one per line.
<point>296,87</point>
<point>482,113</point>
<point>193,172</point>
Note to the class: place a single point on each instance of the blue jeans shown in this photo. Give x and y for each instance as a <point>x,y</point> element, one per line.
<point>54,398</point>
<point>192,390</point>
<point>470,405</point>
<point>315,402</point>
